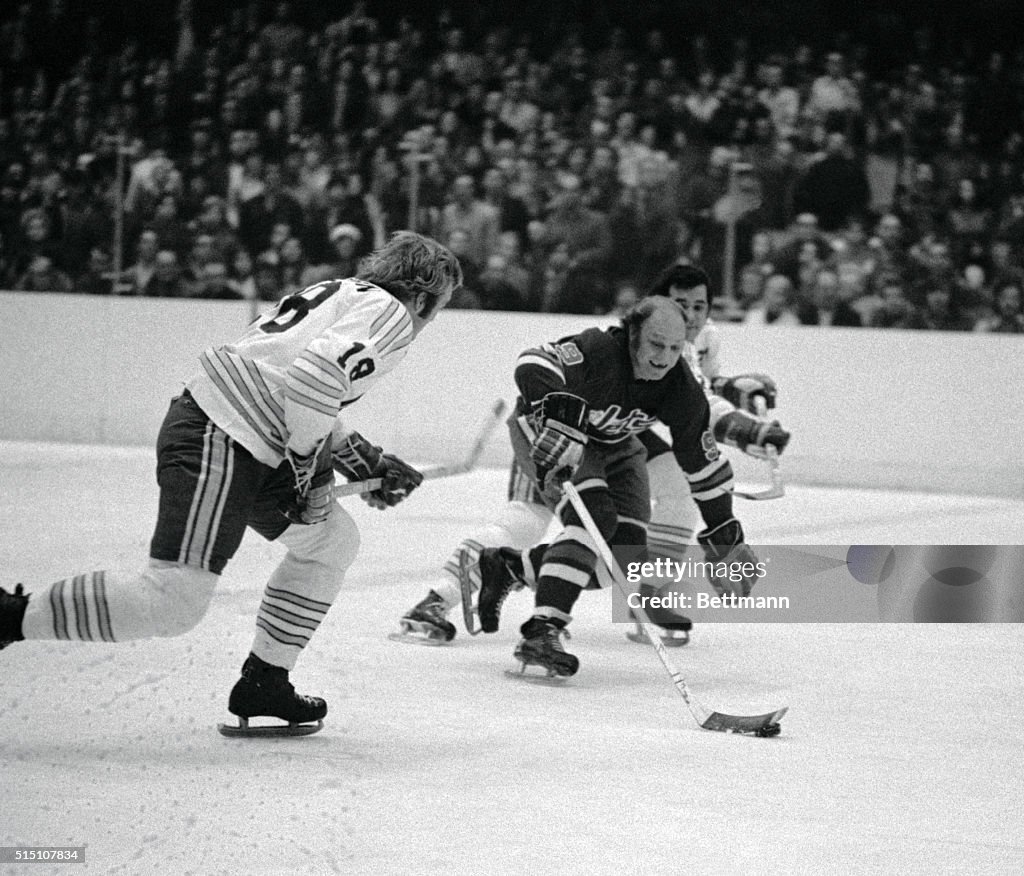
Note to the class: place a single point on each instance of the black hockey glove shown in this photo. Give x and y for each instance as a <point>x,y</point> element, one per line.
<point>743,390</point>
<point>750,434</point>
<point>400,479</point>
<point>735,563</point>
<point>561,438</point>
<point>359,460</point>
<point>356,459</point>
<point>313,496</point>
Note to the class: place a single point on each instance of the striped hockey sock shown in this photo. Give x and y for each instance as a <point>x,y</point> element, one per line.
<point>286,621</point>
<point>73,609</point>
<point>162,599</point>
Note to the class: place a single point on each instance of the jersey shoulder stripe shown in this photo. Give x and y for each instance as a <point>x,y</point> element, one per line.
<point>542,357</point>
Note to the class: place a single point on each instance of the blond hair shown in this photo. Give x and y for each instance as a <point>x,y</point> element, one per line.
<point>410,263</point>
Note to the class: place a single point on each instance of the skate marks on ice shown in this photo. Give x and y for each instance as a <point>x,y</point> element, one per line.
<point>864,779</point>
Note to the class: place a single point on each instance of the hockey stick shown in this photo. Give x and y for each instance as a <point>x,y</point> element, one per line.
<point>432,472</point>
<point>777,489</point>
<point>760,725</point>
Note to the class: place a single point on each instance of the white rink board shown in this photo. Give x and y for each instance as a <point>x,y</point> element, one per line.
<point>900,754</point>
<point>881,408</point>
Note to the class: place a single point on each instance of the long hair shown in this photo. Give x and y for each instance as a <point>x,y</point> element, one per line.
<point>410,263</point>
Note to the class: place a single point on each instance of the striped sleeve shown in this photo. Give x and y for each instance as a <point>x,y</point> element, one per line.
<point>708,472</point>
<point>539,370</point>
<point>242,385</point>
<point>340,365</point>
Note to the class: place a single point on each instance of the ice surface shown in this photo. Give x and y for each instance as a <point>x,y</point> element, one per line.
<point>900,754</point>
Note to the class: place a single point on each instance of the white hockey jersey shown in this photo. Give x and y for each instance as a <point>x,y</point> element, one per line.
<point>283,383</point>
<point>704,356</point>
<point>708,352</point>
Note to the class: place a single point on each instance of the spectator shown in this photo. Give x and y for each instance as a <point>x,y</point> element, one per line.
<point>267,279</point>
<point>292,266</point>
<point>458,243</point>
<point>37,239</point>
<point>803,241</point>
<point>835,188</point>
<point>825,305</point>
<point>1008,317</point>
<point>624,298</point>
<point>199,256</point>
<point>140,274</point>
<point>833,99</point>
<point>888,245</point>
<point>776,306</point>
<point>497,288</point>
<point>259,215</point>
<point>97,278</point>
<point>212,221</point>
<point>512,213</point>
<point>170,228</point>
<point>242,275</point>
<point>334,100</point>
<point>214,283</point>
<point>939,311</point>
<point>894,310</point>
<point>167,281</point>
<point>346,204</point>
<point>480,221</point>
<point>580,240</point>
<point>968,221</point>
<point>781,100</point>
<point>345,245</point>
<point>43,276</point>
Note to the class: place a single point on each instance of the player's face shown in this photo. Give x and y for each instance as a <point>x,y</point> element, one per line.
<point>421,312</point>
<point>658,347</point>
<point>694,304</point>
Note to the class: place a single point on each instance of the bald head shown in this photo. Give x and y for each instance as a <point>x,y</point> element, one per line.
<point>657,332</point>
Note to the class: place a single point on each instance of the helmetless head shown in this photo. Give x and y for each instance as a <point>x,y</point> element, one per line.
<point>657,332</point>
<point>688,286</point>
<point>418,271</point>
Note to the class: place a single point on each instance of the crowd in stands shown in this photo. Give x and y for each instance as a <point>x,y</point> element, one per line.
<point>260,155</point>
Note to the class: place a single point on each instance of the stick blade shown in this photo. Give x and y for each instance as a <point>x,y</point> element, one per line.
<point>759,725</point>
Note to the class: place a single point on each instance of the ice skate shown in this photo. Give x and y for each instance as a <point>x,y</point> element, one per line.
<point>541,645</point>
<point>12,612</point>
<point>501,573</point>
<point>425,623</point>
<point>265,691</point>
<point>676,626</point>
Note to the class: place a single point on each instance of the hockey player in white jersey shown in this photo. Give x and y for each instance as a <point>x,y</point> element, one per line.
<point>494,551</point>
<point>254,441</point>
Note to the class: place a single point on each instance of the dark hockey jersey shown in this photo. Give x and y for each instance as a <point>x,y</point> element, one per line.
<point>595,365</point>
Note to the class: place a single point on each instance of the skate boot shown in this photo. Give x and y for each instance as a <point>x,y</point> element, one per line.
<point>541,645</point>
<point>12,611</point>
<point>265,691</point>
<point>425,623</point>
<point>676,626</point>
<point>501,572</point>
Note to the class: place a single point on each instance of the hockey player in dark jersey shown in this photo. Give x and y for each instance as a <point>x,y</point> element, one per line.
<point>583,400</point>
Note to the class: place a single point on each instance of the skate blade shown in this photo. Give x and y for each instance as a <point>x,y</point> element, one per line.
<point>412,637</point>
<point>668,641</point>
<point>243,730</point>
<point>548,678</point>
